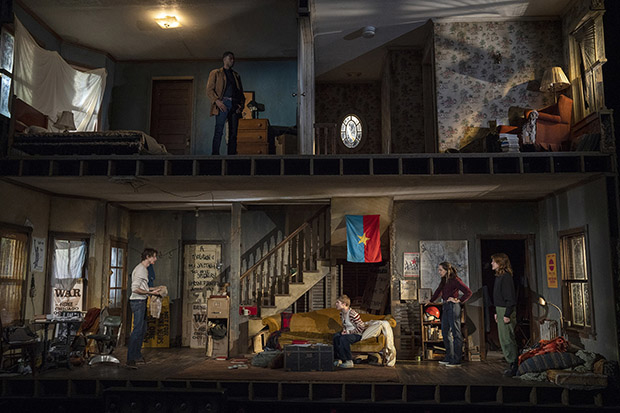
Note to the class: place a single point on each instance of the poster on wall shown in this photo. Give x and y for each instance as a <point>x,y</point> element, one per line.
<point>68,299</point>
<point>158,329</point>
<point>552,271</point>
<point>198,337</point>
<point>432,253</point>
<point>37,255</point>
<point>411,264</point>
<point>408,289</point>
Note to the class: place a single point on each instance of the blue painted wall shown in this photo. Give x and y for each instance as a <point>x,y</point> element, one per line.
<point>272,81</point>
<point>73,54</point>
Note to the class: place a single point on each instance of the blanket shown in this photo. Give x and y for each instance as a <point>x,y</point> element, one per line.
<point>376,327</point>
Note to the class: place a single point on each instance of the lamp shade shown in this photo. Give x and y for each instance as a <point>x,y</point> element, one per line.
<point>554,80</point>
<point>65,121</point>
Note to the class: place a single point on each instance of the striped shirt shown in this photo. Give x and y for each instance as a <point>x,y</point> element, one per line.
<point>351,322</point>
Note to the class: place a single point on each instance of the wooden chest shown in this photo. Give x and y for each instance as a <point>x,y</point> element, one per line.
<point>252,137</point>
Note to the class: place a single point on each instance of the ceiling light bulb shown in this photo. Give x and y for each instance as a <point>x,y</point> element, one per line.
<point>368,32</point>
<point>168,22</point>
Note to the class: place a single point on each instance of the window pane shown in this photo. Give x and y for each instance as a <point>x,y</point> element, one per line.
<point>113,258</point>
<point>12,275</point>
<point>5,91</point>
<point>577,301</point>
<point>113,298</point>
<point>7,51</point>
<point>578,258</point>
<point>351,131</point>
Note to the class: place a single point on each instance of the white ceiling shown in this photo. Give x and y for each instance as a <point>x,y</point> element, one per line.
<point>256,29</point>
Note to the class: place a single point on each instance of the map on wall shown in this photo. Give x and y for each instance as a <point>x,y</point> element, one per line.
<point>432,253</point>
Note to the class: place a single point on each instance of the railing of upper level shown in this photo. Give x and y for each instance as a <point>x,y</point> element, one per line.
<point>308,165</point>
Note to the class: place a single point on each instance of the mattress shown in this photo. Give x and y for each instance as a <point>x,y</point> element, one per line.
<point>116,142</point>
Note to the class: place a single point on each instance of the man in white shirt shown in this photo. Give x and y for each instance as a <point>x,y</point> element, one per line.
<point>140,291</point>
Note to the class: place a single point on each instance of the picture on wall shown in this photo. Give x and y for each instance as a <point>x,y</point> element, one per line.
<point>411,264</point>
<point>432,253</point>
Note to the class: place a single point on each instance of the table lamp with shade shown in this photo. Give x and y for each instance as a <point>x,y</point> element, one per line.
<point>554,80</point>
<point>65,121</point>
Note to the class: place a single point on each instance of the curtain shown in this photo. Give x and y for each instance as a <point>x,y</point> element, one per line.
<point>49,84</point>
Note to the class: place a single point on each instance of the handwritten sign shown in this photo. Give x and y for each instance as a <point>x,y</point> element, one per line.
<point>202,276</point>
<point>552,271</point>
<point>68,299</point>
<point>198,337</point>
<point>201,266</point>
<point>158,329</point>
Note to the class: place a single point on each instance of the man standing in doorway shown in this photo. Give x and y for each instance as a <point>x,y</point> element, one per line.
<point>140,290</point>
<point>225,91</point>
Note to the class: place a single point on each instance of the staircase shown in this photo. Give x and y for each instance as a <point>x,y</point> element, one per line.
<point>290,269</point>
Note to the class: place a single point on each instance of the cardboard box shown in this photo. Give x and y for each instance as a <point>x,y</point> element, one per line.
<point>308,357</point>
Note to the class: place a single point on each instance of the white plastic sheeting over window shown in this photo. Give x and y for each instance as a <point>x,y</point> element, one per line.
<point>49,84</point>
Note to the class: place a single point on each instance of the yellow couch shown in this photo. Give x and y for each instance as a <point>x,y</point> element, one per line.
<point>321,325</point>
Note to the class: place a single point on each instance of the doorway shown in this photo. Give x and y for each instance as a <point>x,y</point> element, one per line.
<point>367,285</point>
<point>171,114</point>
<point>520,259</point>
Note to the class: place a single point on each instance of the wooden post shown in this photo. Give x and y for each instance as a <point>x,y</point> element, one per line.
<point>235,280</point>
<point>305,87</point>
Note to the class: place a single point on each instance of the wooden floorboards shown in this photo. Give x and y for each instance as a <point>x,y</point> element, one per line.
<point>169,364</point>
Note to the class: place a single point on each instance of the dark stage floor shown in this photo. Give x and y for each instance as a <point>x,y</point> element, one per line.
<point>177,377</point>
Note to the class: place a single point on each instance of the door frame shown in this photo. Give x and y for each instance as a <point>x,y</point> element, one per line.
<point>192,134</point>
<point>530,274</point>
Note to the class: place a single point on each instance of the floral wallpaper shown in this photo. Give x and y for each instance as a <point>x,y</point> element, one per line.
<point>406,101</point>
<point>336,100</point>
<point>482,69</point>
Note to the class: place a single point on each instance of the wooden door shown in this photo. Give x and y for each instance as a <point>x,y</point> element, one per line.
<point>171,114</point>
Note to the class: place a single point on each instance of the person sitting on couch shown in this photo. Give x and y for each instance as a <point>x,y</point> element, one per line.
<point>352,329</point>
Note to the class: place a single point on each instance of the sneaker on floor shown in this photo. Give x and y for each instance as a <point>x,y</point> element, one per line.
<point>347,365</point>
<point>141,361</point>
<point>131,364</point>
<point>444,362</point>
<point>453,365</point>
<point>337,363</point>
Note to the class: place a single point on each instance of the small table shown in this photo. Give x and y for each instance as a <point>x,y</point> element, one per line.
<point>57,361</point>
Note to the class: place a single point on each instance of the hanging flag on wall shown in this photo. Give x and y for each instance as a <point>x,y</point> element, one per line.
<point>363,238</point>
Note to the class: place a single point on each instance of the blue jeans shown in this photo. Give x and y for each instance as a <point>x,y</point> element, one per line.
<point>451,331</point>
<point>232,117</point>
<point>342,345</point>
<point>134,348</point>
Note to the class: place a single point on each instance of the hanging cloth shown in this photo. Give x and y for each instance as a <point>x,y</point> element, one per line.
<point>376,327</point>
<point>45,81</point>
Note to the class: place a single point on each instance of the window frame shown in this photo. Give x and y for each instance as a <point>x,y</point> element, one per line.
<point>123,287</point>
<point>567,265</point>
<point>69,236</point>
<point>5,73</point>
<point>363,130</point>
<point>8,229</point>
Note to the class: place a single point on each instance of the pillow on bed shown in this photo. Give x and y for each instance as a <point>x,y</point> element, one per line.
<point>35,129</point>
<point>547,361</point>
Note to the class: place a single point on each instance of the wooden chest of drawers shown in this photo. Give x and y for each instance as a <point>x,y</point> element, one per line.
<point>252,137</point>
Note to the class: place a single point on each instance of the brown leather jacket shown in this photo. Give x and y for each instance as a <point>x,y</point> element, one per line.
<point>216,84</point>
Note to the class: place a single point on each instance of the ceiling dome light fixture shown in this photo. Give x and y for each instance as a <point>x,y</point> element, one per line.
<point>368,32</point>
<point>168,22</point>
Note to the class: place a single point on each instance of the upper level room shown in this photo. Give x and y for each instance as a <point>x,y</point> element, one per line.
<point>363,78</point>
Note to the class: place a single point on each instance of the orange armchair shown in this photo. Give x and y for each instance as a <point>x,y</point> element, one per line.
<point>553,125</point>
